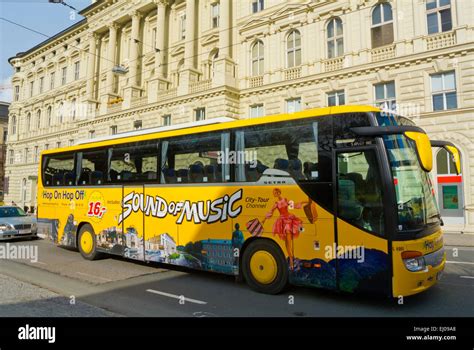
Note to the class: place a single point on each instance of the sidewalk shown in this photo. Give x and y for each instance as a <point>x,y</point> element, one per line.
<point>459,239</point>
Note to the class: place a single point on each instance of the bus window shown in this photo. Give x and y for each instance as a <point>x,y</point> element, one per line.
<point>201,159</point>
<point>134,163</point>
<point>301,150</point>
<point>93,167</point>
<point>359,190</point>
<point>343,136</point>
<point>58,170</point>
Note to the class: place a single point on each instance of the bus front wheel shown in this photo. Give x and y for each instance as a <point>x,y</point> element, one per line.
<point>87,243</point>
<point>264,267</point>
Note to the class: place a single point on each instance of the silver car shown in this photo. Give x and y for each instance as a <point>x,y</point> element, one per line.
<point>15,223</point>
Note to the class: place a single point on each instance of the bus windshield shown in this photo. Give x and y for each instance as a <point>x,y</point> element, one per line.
<point>416,202</point>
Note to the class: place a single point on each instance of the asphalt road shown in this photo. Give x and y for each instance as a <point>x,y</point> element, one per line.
<point>138,289</point>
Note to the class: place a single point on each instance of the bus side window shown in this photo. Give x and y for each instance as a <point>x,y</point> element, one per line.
<point>195,160</point>
<point>58,170</point>
<point>137,162</point>
<point>93,167</point>
<point>298,150</point>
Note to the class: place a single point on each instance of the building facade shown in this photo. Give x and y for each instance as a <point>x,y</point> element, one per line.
<point>139,64</point>
<point>3,146</point>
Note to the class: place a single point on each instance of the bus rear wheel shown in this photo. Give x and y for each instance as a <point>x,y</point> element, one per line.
<point>264,267</point>
<point>87,243</point>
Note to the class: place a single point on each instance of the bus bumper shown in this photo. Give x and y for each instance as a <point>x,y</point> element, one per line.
<point>407,282</point>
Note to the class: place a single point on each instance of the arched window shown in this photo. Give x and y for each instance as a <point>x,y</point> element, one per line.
<point>444,163</point>
<point>382,25</point>
<point>335,38</point>
<point>61,113</point>
<point>28,122</point>
<point>49,115</point>
<point>38,119</point>
<point>13,122</point>
<point>293,49</point>
<point>258,58</point>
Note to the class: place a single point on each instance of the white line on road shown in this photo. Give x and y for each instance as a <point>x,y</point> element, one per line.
<point>466,276</point>
<point>460,262</point>
<point>40,263</point>
<point>89,275</point>
<point>174,296</point>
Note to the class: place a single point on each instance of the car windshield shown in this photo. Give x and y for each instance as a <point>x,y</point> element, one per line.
<point>416,201</point>
<point>9,212</point>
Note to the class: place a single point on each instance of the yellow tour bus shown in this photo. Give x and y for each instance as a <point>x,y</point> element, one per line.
<point>337,198</point>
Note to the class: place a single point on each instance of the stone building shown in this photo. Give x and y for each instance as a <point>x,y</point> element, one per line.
<point>139,64</point>
<point>3,145</point>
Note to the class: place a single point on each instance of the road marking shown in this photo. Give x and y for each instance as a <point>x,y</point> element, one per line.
<point>94,276</point>
<point>174,296</point>
<point>40,262</point>
<point>460,262</point>
<point>466,276</point>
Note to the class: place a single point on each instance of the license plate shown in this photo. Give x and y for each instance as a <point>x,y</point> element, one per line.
<point>24,232</point>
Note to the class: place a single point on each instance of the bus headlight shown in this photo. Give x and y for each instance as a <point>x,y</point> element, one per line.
<point>413,261</point>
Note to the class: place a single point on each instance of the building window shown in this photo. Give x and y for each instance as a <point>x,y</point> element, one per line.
<point>71,142</point>
<point>293,105</point>
<point>335,38</point>
<point>257,111</point>
<point>51,80</point>
<point>293,49</point>
<point>64,76</point>
<point>166,120</point>
<point>91,134</point>
<point>113,130</point>
<point>41,85</point>
<point>13,122</point>
<point>137,124</point>
<point>443,87</point>
<point>11,157</point>
<point>438,16</point>
<point>258,58</point>
<point>336,98</point>
<point>258,5</point>
<point>28,122</point>
<point>49,115</point>
<point>200,114</point>
<point>385,95</point>
<point>38,119</point>
<point>16,95</point>
<point>61,113</point>
<point>58,144</point>
<point>215,10</point>
<point>182,26</point>
<point>32,86</point>
<point>382,25</point>
<point>77,70</point>
<point>36,154</point>
<point>445,163</point>
<point>46,146</point>
<point>73,109</point>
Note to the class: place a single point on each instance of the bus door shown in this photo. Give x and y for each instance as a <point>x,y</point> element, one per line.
<point>131,237</point>
<point>361,250</point>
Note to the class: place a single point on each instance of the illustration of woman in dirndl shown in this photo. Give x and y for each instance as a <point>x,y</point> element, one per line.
<point>287,226</point>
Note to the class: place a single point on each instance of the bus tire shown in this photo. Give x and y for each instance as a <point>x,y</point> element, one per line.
<point>87,244</point>
<point>264,267</point>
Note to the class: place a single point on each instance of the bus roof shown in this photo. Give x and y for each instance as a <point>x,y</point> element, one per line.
<point>206,126</point>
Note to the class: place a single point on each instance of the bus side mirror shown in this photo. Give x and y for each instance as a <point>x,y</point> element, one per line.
<point>452,150</point>
<point>423,149</point>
